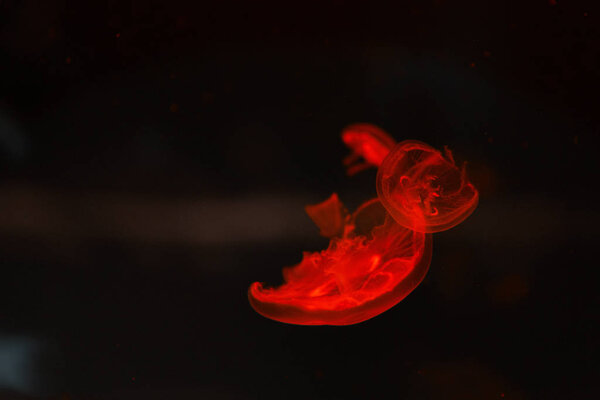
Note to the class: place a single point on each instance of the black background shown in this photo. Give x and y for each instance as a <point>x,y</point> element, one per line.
<point>156,155</point>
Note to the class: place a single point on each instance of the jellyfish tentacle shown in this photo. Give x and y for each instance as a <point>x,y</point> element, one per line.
<point>356,168</point>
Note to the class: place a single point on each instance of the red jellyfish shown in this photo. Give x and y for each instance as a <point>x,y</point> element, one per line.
<point>330,216</point>
<point>367,142</point>
<point>423,189</point>
<point>372,265</point>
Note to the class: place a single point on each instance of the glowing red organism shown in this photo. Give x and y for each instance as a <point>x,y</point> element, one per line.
<point>368,142</point>
<point>423,189</point>
<point>330,216</point>
<point>380,253</point>
<point>372,267</point>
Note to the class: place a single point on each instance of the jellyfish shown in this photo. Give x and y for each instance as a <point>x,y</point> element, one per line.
<point>372,265</point>
<point>368,142</point>
<point>423,189</point>
<point>380,253</point>
<point>330,216</point>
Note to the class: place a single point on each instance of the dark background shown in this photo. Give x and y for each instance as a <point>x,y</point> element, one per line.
<point>155,158</point>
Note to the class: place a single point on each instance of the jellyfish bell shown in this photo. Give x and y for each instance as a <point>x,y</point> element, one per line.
<point>356,278</point>
<point>423,189</point>
<point>367,142</point>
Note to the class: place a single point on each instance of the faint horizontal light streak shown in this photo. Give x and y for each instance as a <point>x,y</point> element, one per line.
<point>252,218</point>
<point>35,211</point>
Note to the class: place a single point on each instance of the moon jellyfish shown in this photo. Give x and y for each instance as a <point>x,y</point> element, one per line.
<point>329,216</point>
<point>368,142</point>
<point>423,189</point>
<point>380,253</point>
<point>372,267</point>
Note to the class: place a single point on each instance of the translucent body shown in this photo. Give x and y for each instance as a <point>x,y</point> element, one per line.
<point>424,190</point>
<point>381,253</point>
<point>373,266</point>
<point>368,142</point>
<point>330,216</point>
